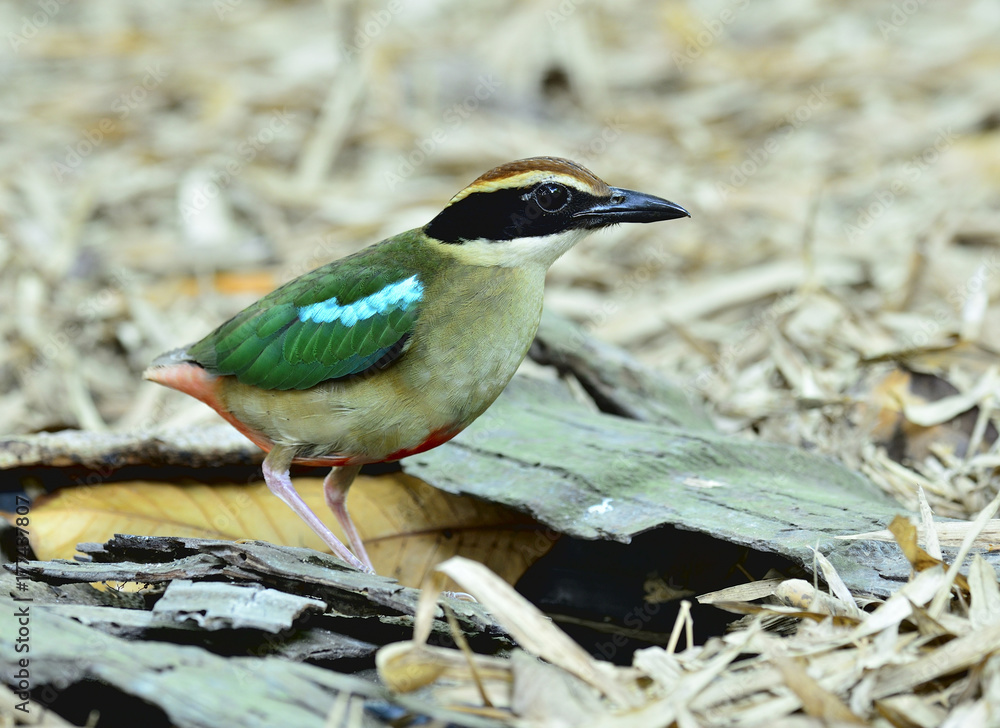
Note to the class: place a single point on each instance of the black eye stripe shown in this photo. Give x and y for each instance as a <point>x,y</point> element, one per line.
<point>509,213</point>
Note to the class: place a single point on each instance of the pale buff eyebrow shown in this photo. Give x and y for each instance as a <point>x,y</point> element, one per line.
<point>526,180</point>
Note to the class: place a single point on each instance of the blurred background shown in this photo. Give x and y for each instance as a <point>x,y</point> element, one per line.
<point>165,164</point>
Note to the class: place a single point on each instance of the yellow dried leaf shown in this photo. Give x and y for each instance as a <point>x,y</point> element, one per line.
<point>817,701</point>
<point>914,412</point>
<point>408,526</point>
<point>777,610</point>
<point>906,536</point>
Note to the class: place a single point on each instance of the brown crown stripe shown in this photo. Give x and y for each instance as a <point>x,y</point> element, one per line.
<point>541,164</point>
<point>526,172</point>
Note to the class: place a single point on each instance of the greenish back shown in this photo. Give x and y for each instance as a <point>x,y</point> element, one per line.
<point>340,320</point>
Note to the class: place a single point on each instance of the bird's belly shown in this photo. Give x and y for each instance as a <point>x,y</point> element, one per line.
<point>367,420</point>
<point>339,422</point>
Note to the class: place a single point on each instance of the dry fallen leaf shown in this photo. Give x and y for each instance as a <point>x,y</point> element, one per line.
<point>949,533</point>
<point>816,700</point>
<point>408,526</point>
<point>906,536</point>
<point>916,412</point>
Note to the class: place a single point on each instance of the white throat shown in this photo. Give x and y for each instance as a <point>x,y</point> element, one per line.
<point>542,250</point>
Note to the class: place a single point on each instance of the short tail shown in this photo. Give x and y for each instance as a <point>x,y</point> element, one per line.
<point>177,371</point>
<point>174,356</point>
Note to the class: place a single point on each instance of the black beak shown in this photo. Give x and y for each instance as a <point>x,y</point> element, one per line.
<point>630,206</point>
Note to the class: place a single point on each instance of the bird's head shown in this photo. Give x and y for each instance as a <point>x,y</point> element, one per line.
<point>533,210</point>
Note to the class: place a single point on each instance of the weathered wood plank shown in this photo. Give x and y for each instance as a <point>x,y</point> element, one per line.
<point>194,687</point>
<point>215,605</point>
<point>206,446</point>
<point>593,475</point>
<point>300,571</point>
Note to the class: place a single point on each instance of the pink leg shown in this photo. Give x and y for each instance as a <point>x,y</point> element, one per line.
<point>335,489</point>
<point>279,483</point>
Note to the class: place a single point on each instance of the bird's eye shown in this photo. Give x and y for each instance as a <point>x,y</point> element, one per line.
<point>551,197</point>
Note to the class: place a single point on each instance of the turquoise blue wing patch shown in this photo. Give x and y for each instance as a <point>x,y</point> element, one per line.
<point>335,322</point>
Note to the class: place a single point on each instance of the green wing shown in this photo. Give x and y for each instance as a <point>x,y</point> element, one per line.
<point>337,321</point>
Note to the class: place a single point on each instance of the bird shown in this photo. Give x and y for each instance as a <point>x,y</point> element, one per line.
<point>395,349</point>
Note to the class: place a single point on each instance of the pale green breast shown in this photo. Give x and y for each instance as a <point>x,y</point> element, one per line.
<point>475,335</point>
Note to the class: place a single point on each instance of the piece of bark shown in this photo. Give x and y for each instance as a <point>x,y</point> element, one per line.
<point>194,687</point>
<point>592,475</point>
<point>205,446</point>
<point>216,605</point>
<point>305,572</point>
